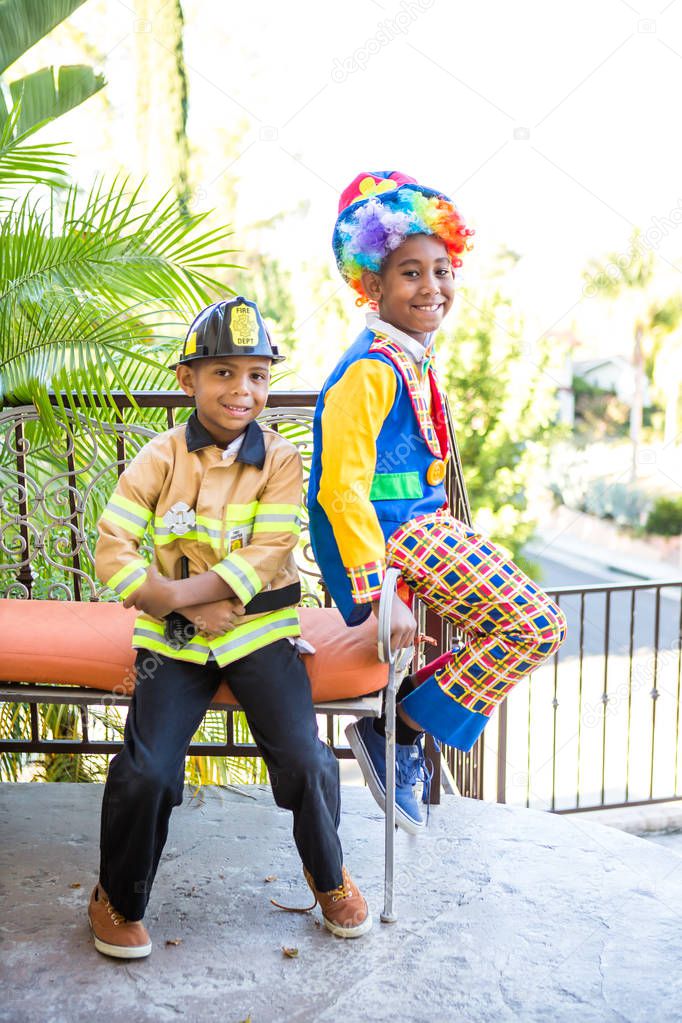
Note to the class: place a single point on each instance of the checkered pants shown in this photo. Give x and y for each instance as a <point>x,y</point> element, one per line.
<point>510,625</point>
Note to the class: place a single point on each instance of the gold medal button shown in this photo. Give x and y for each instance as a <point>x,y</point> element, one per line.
<point>435,473</point>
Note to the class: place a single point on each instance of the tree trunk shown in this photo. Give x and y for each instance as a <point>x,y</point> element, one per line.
<point>162,98</point>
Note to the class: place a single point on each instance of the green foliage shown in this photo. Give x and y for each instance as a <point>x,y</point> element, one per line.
<point>95,292</point>
<point>106,724</point>
<point>86,286</point>
<point>503,407</point>
<point>51,92</point>
<point>48,92</point>
<point>24,164</point>
<point>23,23</point>
<point>665,517</point>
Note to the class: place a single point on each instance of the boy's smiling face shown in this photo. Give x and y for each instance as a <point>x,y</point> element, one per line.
<point>415,287</point>
<point>229,392</point>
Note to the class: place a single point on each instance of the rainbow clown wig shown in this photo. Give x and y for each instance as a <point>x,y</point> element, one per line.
<point>378,211</point>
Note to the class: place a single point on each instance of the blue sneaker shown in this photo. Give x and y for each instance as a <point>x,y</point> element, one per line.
<point>370,752</point>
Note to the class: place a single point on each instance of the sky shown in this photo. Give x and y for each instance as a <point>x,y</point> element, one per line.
<point>553,126</point>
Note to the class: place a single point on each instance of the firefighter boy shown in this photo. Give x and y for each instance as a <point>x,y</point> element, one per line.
<point>220,497</point>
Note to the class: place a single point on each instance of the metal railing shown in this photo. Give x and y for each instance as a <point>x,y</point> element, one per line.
<point>599,724</point>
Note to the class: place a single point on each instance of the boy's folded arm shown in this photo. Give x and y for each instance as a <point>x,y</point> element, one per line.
<point>214,617</point>
<point>118,563</point>
<point>276,528</point>
<point>354,412</point>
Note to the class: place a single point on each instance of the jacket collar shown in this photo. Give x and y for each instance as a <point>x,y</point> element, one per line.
<point>252,451</point>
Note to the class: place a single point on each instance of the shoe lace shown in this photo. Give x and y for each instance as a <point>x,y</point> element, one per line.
<point>342,892</point>
<point>294,909</point>
<point>411,769</point>
<point>117,917</point>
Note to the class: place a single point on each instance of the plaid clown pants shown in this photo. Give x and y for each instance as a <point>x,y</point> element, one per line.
<point>510,625</point>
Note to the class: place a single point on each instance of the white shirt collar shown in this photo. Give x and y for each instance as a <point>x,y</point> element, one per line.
<point>234,446</point>
<point>417,351</point>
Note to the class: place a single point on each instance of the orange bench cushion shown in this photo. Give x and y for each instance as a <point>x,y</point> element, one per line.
<point>86,644</point>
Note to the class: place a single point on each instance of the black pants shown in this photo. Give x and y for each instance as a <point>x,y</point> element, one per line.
<point>145,779</point>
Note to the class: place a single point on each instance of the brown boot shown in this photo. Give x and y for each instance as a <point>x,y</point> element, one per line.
<point>344,910</point>
<point>113,934</point>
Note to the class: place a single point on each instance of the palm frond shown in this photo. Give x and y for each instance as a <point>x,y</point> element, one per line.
<point>114,245</point>
<point>23,23</point>
<point>53,91</point>
<point>70,343</point>
<point>24,164</point>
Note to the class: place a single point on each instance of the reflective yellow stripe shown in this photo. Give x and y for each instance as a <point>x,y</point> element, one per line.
<point>238,574</point>
<point>129,578</point>
<point>232,645</point>
<point>163,538</point>
<point>256,634</point>
<point>129,515</point>
<point>134,528</point>
<point>149,634</point>
<point>279,509</point>
<point>278,518</point>
<point>240,514</point>
<point>185,653</point>
<point>207,530</point>
<point>131,506</point>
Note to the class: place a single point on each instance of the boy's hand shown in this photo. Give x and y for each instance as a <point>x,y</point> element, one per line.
<point>216,618</point>
<point>157,596</point>
<point>403,623</point>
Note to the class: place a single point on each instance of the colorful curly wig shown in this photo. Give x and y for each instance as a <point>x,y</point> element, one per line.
<point>378,211</point>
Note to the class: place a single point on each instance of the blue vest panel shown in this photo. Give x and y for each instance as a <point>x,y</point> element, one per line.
<point>399,491</point>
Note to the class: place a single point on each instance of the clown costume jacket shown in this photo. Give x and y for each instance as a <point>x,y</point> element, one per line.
<point>380,453</point>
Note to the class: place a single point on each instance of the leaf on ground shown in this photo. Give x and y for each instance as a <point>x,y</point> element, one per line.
<point>173,941</point>
<point>75,884</point>
<point>290,953</point>
<point>270,877</point>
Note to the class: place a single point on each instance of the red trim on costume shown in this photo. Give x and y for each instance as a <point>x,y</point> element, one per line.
<point>438,416</point>
<point>430,669</point>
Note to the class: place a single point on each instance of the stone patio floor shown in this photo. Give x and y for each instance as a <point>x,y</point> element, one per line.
<point>504,914</point>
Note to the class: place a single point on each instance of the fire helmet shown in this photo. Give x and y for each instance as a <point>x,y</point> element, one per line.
<point>233,327</point>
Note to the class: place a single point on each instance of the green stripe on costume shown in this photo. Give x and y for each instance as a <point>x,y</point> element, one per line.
<point>395,486</point>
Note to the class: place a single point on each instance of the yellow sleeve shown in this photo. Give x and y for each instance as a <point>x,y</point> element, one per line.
<point>124,521</point>
<point>276,528</point>
<point>354,412</point>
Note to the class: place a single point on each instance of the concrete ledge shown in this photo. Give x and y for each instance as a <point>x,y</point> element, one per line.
<point>506,914</point>
<point>639,820</point>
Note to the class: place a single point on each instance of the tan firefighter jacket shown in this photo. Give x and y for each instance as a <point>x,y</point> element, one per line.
<point>238,516</point>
